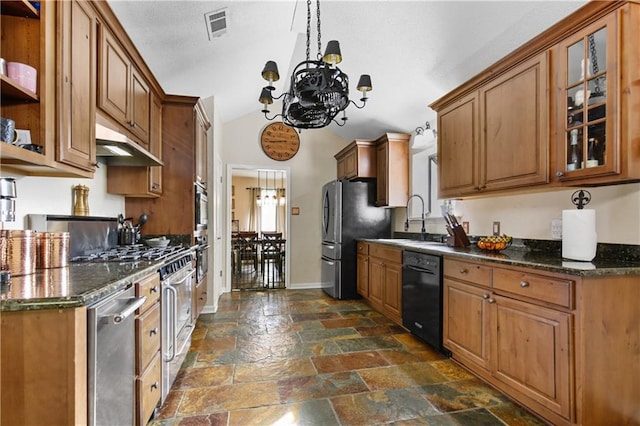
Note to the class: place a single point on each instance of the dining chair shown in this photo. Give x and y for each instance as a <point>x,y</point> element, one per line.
<point>272,256</point>
<point>248,248</point>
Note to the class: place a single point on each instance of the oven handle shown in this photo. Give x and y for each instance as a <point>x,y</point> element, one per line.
<point>172,314</point>
<point>127,311</point>
<point>186,341</point>
<point>183,280</point>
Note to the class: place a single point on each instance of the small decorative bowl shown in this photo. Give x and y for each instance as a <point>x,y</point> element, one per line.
<point>157,242</point>
<point>494,243</point>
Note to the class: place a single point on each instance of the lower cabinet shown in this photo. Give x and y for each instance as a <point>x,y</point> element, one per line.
<point>556,343</point>
<point>362,269</point>
<point>148,361</point>
<point>384,280</point>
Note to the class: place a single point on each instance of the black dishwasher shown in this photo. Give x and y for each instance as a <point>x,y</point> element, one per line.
<point>422,297</point>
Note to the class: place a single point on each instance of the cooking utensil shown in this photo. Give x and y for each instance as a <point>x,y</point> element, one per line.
<point>142,220</point>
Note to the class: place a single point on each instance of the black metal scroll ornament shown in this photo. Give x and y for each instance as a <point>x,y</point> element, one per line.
<point>581,198</point>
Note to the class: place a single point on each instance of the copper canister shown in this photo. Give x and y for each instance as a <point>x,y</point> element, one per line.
<point>18,251</point>
<point>52,250</point>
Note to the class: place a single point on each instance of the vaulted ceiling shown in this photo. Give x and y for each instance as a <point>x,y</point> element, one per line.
<point>415,51</point>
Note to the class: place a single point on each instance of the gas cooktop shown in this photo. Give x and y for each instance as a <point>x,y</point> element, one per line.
<point>130,253</point>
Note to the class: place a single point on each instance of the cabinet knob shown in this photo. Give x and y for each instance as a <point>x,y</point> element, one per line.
<point>153,331</point>
<point>153,289</point>
<point>155,385</point>
<point>559,174</point>
<point>485,296</point>
<point>491,300</point>
<point>524,284</point>
<point>464,271</point>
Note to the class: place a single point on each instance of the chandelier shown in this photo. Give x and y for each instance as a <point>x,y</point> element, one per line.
<point>318,90</point>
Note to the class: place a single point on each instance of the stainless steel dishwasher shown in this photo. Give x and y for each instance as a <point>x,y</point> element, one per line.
<point>111,358</point>
<point>422,297</point>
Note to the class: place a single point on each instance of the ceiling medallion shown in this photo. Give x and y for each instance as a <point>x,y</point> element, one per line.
<point>318,90</point>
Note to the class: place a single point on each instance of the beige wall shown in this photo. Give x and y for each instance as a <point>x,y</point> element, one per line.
<point>311,167</point>
<point>529,216</point>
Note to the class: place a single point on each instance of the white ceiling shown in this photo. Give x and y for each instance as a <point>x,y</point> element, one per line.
<point>415,51</point>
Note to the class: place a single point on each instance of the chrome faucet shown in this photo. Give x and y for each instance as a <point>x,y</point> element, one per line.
<point>406,222</point>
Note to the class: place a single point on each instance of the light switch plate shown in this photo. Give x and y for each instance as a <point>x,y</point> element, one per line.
<point>496,228</point>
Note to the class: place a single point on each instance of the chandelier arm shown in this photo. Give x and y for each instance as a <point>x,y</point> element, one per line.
<point>364,103</point>
<point>308,29</point>
<point>266,111</point>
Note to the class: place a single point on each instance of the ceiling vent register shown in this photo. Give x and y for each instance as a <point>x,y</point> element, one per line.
<point>216,22</point>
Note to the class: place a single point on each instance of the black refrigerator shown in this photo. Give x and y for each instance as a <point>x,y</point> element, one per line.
<point>349,213</point>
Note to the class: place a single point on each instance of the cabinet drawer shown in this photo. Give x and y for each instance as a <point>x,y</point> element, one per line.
<point>544,288</point>
<point>465,271</point>
<point>148,391</point>
<point>390,254</point>
<point>363,248</point>
<point>147,337</point>
<point>149,286</point>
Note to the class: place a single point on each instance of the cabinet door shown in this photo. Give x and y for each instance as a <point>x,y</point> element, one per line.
<point>376,281</point>
<point>515,135</point>
<point>77,85</point>
<point>155,144</point>
<point>363,275</point>
<point>201,150</point>
<point>140,105</point>
<point>382,181</point>
<point>466,322</point>
<point>392,291</point>
<point>114,79</point>
<point>587,77</point>
<point>458,148</point>
<point>531,352</point>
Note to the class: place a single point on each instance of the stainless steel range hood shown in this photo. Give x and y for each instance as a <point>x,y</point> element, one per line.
<point>118,150</point>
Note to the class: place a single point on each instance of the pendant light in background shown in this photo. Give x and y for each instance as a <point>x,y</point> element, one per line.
<point>282,200</point>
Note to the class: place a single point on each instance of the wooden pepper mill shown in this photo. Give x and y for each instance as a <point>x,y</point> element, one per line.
<point>81,195</point>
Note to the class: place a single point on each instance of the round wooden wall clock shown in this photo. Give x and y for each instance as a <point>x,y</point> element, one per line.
<point>280,141</point>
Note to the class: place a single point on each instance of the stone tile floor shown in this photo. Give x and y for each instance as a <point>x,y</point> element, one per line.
<point>298,357</point>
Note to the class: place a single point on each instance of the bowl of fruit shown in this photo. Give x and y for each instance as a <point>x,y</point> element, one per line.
<point>494,243</point>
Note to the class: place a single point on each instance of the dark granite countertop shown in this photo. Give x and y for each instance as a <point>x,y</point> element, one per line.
<point>79,284</point>
<point>517,255</point>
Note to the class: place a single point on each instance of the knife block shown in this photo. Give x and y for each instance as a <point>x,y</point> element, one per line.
<point>459,238</point>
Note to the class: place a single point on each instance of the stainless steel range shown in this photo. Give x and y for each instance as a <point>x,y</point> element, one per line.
<point>177,278</point>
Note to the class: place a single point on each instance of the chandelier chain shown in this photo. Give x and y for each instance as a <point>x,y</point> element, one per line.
<point>318,18</point>
<point>308,29</point>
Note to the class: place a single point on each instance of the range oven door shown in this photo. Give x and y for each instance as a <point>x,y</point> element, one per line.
<point>177,326</point>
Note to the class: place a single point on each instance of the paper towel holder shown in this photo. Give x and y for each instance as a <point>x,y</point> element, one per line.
<point>581,198</point>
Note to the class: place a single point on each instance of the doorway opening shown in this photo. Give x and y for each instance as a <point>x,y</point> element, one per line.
<point>259,227</point>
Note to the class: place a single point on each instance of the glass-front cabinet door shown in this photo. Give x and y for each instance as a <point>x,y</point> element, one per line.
<point>587,74</point>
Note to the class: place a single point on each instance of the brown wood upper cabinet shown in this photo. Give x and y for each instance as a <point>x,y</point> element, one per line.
<point>392,158</point>
<point>77,21</point>
<point>59,42</point>
<point>514,125</point>
<point>496,137</point>
<point>123,93</point>
<point>597,105</point>
<point>357,160</point>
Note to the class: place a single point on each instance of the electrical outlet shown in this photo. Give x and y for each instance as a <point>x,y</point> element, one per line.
<point>556,228</point>
<point>496,228</point>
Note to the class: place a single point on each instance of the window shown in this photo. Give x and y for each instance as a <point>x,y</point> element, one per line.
<point>268,210</point>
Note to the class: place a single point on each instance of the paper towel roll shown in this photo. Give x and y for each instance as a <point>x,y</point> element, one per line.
<point>579,238</point>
